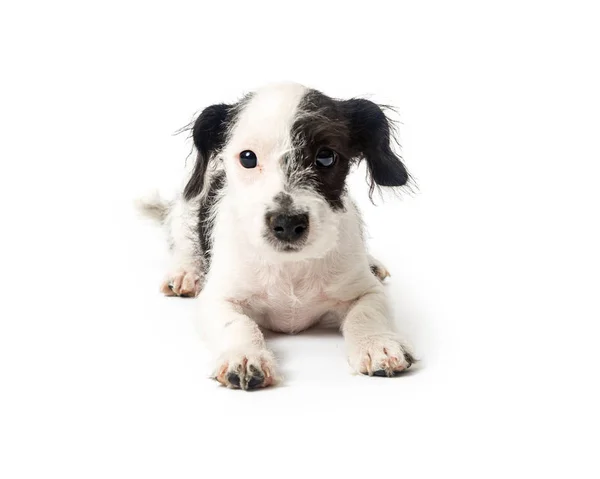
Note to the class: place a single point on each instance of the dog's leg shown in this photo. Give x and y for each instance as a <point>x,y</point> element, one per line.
<point>373,346</point>
<point>185,275</point>
<point>243,362</point>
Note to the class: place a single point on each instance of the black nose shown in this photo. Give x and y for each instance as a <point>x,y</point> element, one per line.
<point>288,228</point>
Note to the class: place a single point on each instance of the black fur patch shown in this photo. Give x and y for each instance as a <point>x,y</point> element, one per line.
<point>355,129</point>
<point>321,124</point>
<point>209,132</point>
<point>371,140</point>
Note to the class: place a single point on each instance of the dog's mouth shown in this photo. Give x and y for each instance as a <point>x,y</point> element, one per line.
<point>290,249</point>
<point>284,246</point>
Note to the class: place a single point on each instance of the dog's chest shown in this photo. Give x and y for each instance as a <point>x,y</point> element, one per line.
<point>291,301</point>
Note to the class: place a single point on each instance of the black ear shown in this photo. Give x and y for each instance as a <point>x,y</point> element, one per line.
<point>371,138</point>
<point>208,132</point>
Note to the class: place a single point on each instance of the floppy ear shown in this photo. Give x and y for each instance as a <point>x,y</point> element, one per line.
<point>371,137</point>
<point>209,133</point>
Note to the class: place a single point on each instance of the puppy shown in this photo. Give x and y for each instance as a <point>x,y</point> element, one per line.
<point>266,235</point>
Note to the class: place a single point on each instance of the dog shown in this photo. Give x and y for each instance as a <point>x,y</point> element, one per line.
<point>265,234</point>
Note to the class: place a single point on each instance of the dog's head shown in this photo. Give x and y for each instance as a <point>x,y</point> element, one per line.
<point>286,151</point>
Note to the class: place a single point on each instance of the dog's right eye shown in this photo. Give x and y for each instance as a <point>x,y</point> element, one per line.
<point>248,159</point>
<point>325,158</point>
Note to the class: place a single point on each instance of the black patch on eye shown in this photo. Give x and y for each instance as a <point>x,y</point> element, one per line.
<point>321,126</point>
<point>354,130</point>
<point>205,224</point>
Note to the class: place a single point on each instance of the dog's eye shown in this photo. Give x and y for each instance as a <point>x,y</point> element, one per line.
<point>325,158</point>
<point>248,159</point>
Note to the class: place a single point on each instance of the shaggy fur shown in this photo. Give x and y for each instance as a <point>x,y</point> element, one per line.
<point>275,241</point>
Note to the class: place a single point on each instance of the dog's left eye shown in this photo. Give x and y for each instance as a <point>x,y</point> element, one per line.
<point>248,159</point>
<point>325,158</point>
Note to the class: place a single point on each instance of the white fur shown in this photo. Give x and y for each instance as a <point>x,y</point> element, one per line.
<point>250,284</point>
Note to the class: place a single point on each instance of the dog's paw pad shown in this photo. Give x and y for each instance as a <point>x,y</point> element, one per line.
<point>182,283</point>
<point>246,371</point>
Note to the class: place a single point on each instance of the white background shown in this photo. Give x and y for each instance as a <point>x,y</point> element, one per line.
<point>494,259</point>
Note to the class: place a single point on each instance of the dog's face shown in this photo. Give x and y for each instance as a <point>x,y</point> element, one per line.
<point>286,151</point>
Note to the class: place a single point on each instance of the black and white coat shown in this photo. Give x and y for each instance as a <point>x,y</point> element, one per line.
<point>266,235</point>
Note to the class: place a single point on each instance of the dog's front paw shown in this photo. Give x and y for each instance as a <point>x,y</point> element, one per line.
<point>380,356</point>
<point>181,283</point>
<point>378,269</point>
<point>246,370</point>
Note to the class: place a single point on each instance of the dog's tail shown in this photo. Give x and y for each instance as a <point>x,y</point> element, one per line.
<point>153,206</point>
